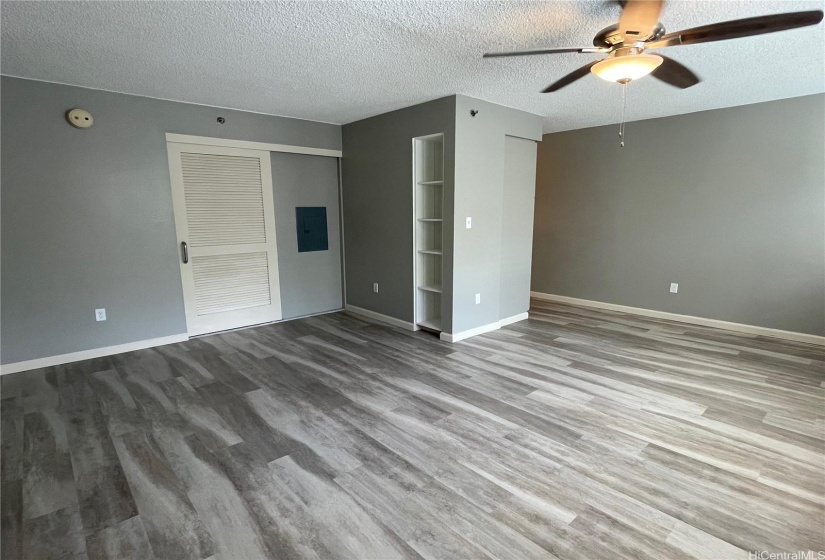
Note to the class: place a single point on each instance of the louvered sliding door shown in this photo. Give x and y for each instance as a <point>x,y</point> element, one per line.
<point>225,222</point>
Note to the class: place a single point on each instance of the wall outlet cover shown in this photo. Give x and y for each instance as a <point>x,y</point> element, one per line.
<point>100,314</point>
<point>674,288</point>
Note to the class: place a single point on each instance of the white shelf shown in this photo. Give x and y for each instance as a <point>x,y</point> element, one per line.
<point>428,219</point>
<point>431,288</point>
<point>434,324</point>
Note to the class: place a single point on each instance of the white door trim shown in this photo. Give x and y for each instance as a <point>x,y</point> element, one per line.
<point>197,325</point>
<point>248,145</point>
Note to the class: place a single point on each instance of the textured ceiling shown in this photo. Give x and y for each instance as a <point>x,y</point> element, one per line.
<point>343,61</point>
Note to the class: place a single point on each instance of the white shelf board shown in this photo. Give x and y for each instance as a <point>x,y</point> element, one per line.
<point>430,182</point>
<point>434,324</point>
<point>431,288</point>
<point>430,251</point>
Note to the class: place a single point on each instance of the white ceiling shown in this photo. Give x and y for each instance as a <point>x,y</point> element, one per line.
<point>343,61</point>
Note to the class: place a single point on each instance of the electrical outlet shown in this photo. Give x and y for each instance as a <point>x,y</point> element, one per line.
<point>469,222</point>
<point>674,288</point>
<point>100,314</point>
<point>478,299</point>
<point>375,287</point>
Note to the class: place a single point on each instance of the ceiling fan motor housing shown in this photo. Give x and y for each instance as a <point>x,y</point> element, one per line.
<point>609,37</point>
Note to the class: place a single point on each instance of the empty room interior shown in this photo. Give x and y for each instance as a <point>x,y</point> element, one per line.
<point>412,279</point>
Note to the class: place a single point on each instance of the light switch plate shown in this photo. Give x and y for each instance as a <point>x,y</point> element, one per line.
<point>674,288</point>
<point>375,287</point>
<point>100,314</point>
<point>478,299</point>
<point>469,222</point>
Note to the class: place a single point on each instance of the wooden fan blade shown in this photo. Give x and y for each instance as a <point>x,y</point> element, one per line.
<point>546,51</point>
<point>675,74</point>
<point>738,28</point>
<point>639,19</point>
<point>570,78</point>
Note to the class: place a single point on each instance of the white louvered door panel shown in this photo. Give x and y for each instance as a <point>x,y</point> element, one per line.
<point>229,282</point>
<point>224,213</point>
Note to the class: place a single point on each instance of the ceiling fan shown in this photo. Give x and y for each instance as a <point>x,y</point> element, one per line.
<point>639,29</point>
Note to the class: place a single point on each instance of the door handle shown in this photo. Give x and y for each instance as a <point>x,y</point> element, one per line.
<point>185,250</point>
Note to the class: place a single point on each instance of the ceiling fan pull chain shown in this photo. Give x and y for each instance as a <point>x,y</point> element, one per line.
<point>624,111</point>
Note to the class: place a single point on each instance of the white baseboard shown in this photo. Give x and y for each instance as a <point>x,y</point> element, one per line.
<point>380,317</point>
<point>513,319</point>
<point>455,337</point>
<point>715,323</point>
<point>89,354</point>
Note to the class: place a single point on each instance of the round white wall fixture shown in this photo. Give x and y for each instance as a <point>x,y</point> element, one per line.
<point>80,118</point>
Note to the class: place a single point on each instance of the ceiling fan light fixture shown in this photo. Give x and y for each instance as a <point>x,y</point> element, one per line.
<point>625,68</point>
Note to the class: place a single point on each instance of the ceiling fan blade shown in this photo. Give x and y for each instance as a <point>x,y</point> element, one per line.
<point>738,28</point>
<point>639,19</point>
<point>570,78</point>
<point>675,74</point>
<point>546,51</point>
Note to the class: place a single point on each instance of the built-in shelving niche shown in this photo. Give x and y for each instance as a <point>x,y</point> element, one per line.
<point>428,182</point>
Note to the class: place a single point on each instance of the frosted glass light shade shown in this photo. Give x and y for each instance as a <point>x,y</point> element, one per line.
<point>630,67</point>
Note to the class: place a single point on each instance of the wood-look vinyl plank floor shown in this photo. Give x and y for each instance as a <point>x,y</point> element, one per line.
<point>576,434</point>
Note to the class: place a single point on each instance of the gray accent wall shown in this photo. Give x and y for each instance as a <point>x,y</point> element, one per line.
<point>729,204</point>
<point>310,281</point>
<point>87,216</point>
<point>482,183</point>
<point>377,181</point>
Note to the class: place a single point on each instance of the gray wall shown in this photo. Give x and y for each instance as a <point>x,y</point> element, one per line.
<point>87,214</point>
<point>728,203</point>
<point>377,186</point>
<point>480,189</point>
<point>311,281</point>
<point>517,226</point>
<point>377,176</point>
